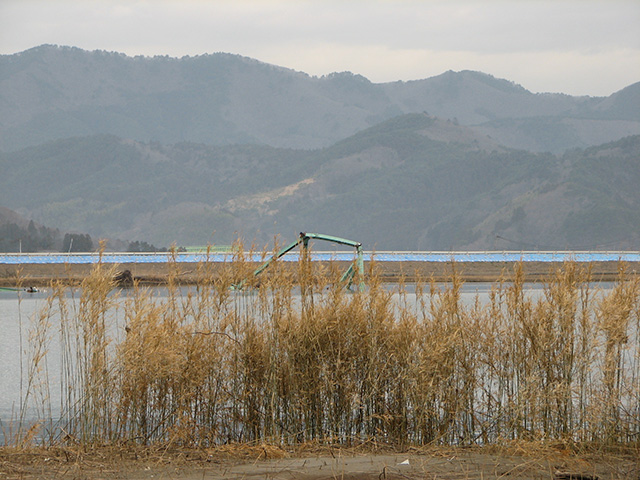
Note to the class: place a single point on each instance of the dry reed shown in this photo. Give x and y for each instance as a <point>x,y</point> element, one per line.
<point>300,360</point>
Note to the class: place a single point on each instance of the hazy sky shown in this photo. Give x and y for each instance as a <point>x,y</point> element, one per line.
<point>579,47</point>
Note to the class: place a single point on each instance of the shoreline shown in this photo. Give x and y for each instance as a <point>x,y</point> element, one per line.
<point>520,460</point>
<point>40,275</point>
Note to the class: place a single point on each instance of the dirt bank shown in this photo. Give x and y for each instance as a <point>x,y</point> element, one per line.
<point>275,464</point>
<point>189,273</point>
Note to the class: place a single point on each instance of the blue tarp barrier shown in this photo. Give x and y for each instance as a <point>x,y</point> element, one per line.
<point>121,258</point>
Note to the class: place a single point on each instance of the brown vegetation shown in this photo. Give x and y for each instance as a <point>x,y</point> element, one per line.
<point>409,271</point>
<point>301,361</point>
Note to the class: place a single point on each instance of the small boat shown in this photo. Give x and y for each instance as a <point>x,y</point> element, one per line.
<point>27,289</point>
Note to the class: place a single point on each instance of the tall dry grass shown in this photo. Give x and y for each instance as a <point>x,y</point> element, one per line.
<point>302,360</point>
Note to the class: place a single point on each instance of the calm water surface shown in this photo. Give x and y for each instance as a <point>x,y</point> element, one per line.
<point>19,310</point>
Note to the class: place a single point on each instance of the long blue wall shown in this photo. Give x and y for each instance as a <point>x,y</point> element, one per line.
<point>120,258</point>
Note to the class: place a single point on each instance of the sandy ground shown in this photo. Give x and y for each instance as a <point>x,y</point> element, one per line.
<point>428,464</point>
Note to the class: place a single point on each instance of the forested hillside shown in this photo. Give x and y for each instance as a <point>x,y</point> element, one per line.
<point>415,182</point>
<point>19,235</point>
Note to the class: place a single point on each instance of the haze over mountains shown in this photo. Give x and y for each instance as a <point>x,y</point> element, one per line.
<point>53,92</point>
<point>171,150</point>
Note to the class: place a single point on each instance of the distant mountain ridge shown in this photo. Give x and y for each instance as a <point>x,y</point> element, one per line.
<point>51,92</point>
<point>205,149</point>
<point>414,182</point>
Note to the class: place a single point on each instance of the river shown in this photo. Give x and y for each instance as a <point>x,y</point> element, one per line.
<point>19,311</point>
<point>22,312</point>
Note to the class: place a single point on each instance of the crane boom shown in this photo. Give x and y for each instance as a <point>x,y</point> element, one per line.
<point>303,239</point>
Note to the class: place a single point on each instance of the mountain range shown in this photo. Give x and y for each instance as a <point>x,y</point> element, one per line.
<point>206,149</point>
<point>51,92</point>
<point>414,182</point>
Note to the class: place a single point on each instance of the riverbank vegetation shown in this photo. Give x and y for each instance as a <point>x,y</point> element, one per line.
<point>302,360</point>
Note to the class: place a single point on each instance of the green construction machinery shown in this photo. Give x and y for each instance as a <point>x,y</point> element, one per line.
<point>303,239</point>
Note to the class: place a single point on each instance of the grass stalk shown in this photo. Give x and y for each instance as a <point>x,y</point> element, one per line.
<point>301,360</point>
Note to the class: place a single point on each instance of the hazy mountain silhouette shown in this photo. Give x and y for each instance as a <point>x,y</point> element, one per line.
<point>412,182</point>
<point>51,92</point>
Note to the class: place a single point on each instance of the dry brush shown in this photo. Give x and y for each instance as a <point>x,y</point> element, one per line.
<point>301,359</point>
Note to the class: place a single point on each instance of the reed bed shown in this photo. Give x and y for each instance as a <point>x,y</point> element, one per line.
<point>300,360</point>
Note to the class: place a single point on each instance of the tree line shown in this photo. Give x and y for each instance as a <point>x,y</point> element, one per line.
<point>18,239</point>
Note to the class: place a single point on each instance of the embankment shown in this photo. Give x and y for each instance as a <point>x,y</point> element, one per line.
<point>389,271</point>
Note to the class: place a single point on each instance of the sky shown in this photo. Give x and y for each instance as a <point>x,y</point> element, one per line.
<point>577,47</point>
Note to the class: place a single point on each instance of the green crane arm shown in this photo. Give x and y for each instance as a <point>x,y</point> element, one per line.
<point>303,239</point>
<point>330,238</point>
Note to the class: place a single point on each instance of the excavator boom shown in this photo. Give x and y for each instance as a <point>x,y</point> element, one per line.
<point>303,239</point>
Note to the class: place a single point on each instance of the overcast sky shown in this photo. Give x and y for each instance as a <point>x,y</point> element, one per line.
<point>578,47</point>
